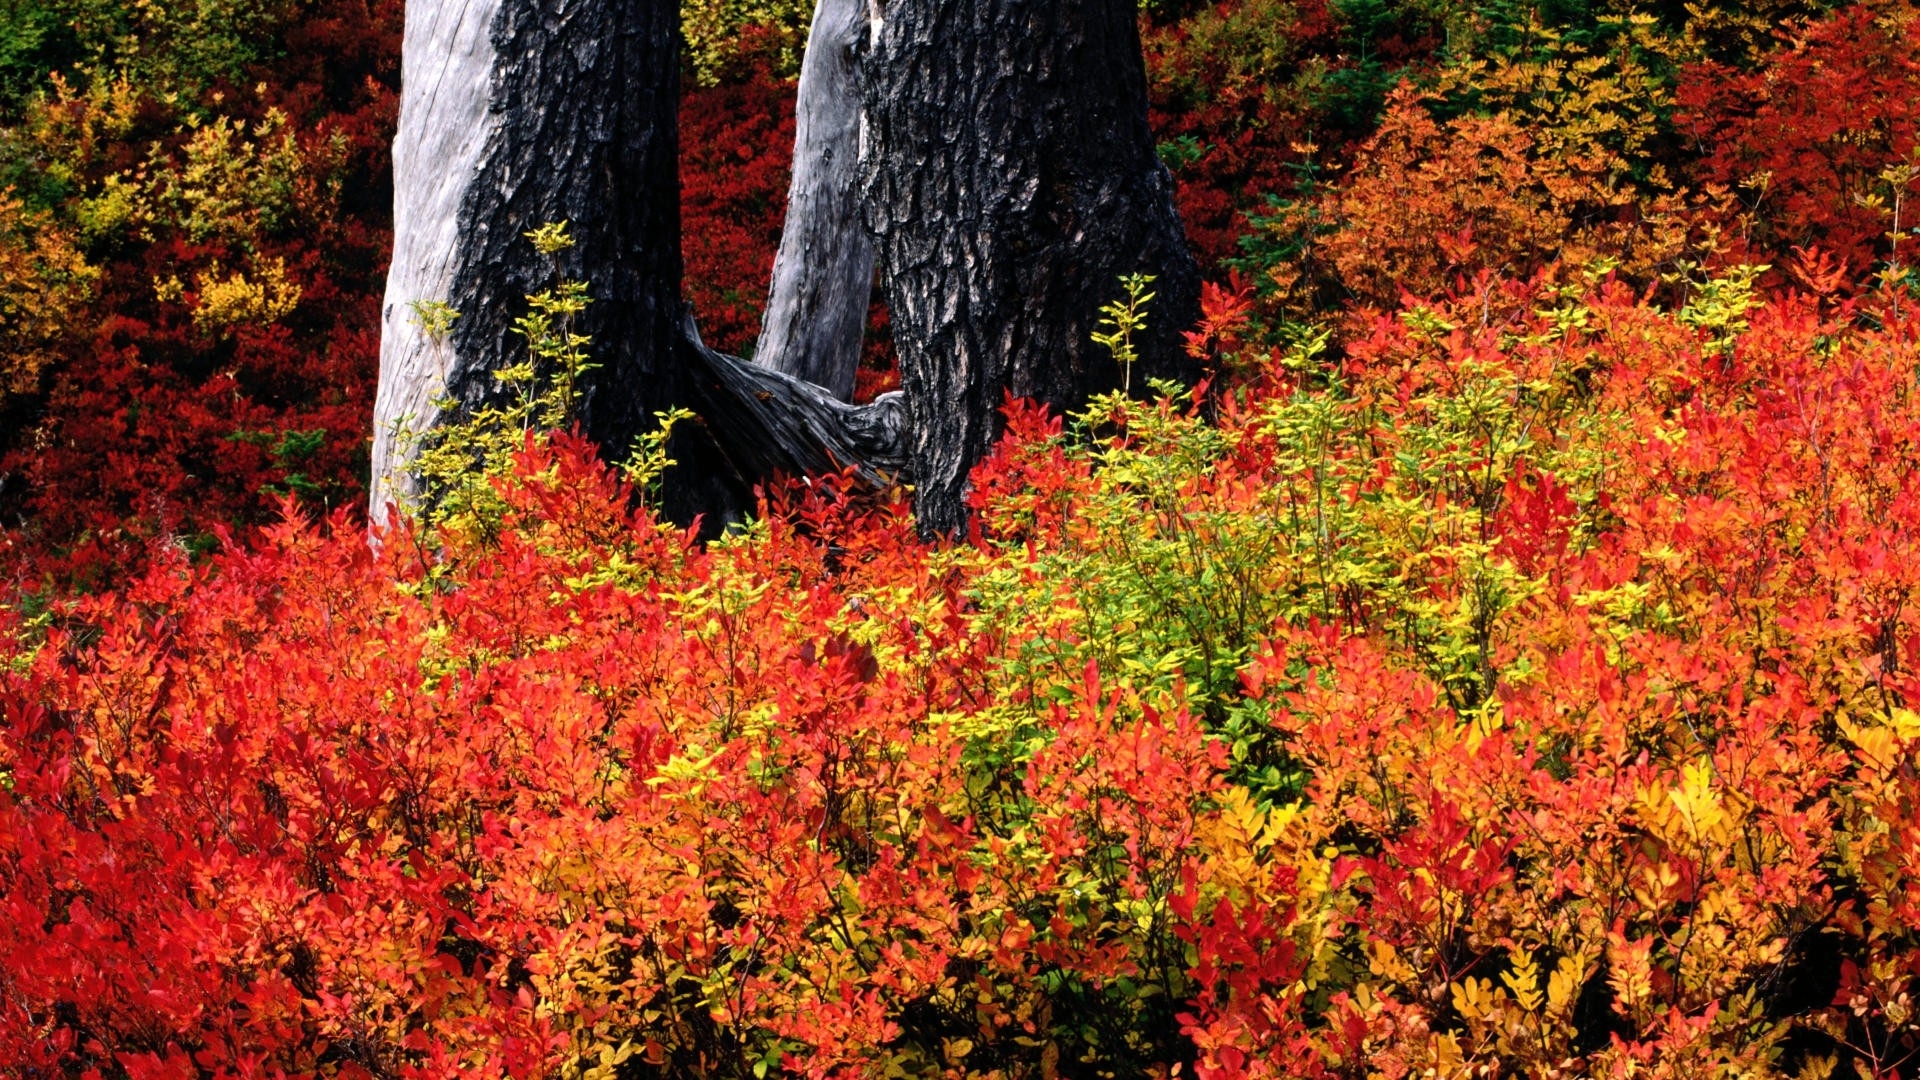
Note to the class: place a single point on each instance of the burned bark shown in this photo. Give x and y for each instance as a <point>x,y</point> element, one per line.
<point>1012,180</point>
<point>520,113</point>
<point>767,423</point>
<point>1009,176</point>
<point>823,275</point>
<point>559,110</point>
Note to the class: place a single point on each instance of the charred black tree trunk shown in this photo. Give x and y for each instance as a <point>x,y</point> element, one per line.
<point>1012,181</point>
<point>823,276</point>
<point>517,114</point>
<point>587,92</point>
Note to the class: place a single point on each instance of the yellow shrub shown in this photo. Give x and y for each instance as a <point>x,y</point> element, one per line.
<point>226,302</point>
<point>43,280</point>
<point>228,186</point>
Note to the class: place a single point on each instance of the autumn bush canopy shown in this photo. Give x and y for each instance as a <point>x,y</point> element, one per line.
<point>1505,663</point>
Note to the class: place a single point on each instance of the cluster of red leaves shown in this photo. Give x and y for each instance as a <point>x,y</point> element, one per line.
<point>1678,836</point>
<point>1592,646</point>
<point>1249,97</point>
<point>1234,122</point>
<point>1806,137</point>
<point>736,157</point>
<point>384,825</point>
<point>1801,155</point>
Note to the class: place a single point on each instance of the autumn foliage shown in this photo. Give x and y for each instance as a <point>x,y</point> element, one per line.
<point>1532,688</point>
<point>1505,664</point>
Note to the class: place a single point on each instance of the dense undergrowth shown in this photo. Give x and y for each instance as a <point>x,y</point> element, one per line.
<point>194,205</point>
<point>1527,693</point>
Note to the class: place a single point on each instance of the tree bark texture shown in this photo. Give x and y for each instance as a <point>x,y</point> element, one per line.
<point>445,61</point>
<point>563,110</point>
<point>1012,180</point>
<point>823,276</point>
<point>767,423</point>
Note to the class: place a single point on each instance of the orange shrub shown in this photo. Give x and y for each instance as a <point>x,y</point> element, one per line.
<point>1429,203</point>
<point>1530,692</point>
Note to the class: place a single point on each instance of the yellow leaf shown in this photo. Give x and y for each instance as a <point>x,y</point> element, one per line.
<point>1524,980</point>
<point>1386,963</point>
<point>1694,798</point>
<point>1563,986</point>
<point>1476,999</point>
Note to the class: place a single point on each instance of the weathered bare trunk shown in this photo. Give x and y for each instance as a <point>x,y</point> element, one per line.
<point>519,113</point>
<point>823,275</point>
<point>1009,176</point>
<point>1013,180</point>
<point>446,60</point>
<point>516,114</point>
<point>768,423</point>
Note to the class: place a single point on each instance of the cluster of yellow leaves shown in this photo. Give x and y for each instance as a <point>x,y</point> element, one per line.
<point>73,126</point>
<point>176,46</point>
<point>712,31</point>
<point>1599,109</point>
<point>230,182</point>
<point>226,180</point>
<point>225,300</point>
<point>1741,32</point>
<point>1258,46</point>
<point>1518,1015</point>
<point>44,278</point>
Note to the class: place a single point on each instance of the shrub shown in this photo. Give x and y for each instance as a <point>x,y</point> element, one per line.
<point>1529,689</point>
<point>1811,132</point>
<point>223,351</point>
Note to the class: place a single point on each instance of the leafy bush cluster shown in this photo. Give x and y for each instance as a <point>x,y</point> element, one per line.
<point>193,229</point>
<point>1529,690</point>
<point>1401,148</point>
<point>194,212</point>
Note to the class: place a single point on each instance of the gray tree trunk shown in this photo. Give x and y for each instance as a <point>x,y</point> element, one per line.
<point>515,114</point>
<point>446,60</point>
<point>1012,180</point>
<point>823,275</point>
<point>1008,174</point>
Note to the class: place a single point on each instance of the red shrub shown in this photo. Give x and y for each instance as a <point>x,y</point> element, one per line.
<point>155,426</point>
<point>1634,796</point>
<point>1807,134</point>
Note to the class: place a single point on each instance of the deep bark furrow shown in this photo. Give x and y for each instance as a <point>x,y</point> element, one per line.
<point>1012,181</point>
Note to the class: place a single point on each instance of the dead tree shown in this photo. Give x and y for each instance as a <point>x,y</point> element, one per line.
<point>515,114</point>
<point>1007,173</point>
<point>1013,180</point>
<point>823,275</point>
